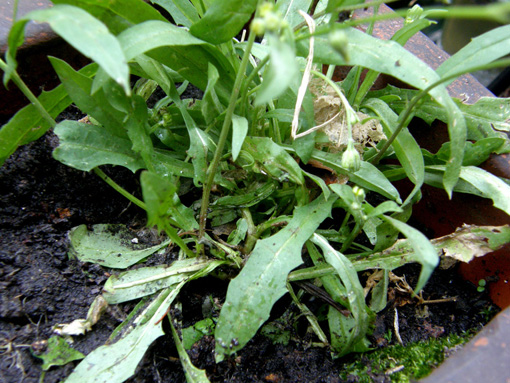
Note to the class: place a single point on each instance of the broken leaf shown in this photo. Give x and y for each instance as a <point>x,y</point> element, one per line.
<point>58,353</point>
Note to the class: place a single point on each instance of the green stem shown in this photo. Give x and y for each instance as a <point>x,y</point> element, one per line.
<point>223,135</point>
<point>28,94</point>
<point>119,188</point>
<point>354,233</point>
<point>493,12</point>
<point>251,237</point>
<point>311,273</point>
<point>174,236</point>
<point>250,78</point>
<point>312,319</point>
<point>404,117</point>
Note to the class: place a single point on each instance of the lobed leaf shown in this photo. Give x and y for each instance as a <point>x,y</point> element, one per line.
<point>58,353</point>
<point>262,281</point>
<point>79,88</point>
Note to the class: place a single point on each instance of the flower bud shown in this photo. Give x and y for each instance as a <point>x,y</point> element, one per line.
<point>258,26</point>
<point>359,193</point>
<point>273,21</point>
<point>413,14</point>
<point>339,42</point>
<point>351,159</point>
<point>265,8</point>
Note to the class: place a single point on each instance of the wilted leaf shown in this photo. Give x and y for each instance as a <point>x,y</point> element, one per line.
<point>109,245</point>
<point>81,326</point>
<point>118,361</point>
<point>145,281</point>
<point>470,241</point>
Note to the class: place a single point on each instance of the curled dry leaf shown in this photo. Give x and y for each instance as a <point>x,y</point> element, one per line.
<point>81,326</point>
<point>469,242</point>
<point>328,110</point>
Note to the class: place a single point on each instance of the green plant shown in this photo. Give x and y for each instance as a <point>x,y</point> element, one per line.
<point>269,126</point>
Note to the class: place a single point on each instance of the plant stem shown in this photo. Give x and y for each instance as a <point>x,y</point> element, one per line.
<point>28,94</point>
<point>354,233</point>
<point>404,116</point>
<point>119,188</point>
<point>223,135</point>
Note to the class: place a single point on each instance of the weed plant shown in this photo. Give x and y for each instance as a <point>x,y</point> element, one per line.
<point>292,164</point>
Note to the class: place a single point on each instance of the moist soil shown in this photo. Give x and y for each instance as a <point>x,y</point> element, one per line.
<point>41,200</point>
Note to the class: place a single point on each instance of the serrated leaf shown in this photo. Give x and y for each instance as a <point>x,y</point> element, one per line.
<point>109,245</point>
<point>58,353</point>
<point>118,361</point>
<point>223,20</point>
<point>262,281</point>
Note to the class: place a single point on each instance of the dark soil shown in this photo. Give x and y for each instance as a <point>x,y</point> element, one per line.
<point>40,200</point>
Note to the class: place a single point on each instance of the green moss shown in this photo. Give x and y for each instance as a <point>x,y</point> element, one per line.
<point>414,361</point>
